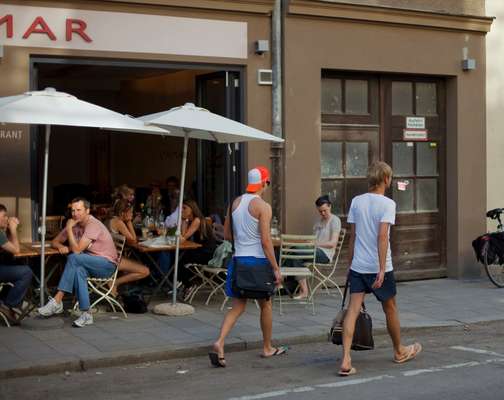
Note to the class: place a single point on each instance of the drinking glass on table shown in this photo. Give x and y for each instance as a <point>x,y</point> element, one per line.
<point>161,229</point>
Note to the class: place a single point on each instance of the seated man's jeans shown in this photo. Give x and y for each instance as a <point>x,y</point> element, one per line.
<point>165,261</point>
<point>77,269</point>
<point>20,276</point>
<point>320,258</point>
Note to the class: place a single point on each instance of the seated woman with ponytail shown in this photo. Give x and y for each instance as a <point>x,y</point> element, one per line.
<point>121,222</point>
<point>196,228</point>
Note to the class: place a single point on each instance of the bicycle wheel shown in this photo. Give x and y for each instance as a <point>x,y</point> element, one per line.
<point>495,272</point>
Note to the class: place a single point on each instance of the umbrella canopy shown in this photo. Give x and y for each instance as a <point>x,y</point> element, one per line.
<point>200,123</point>
<point>189,121</point>
<point>50,107</point>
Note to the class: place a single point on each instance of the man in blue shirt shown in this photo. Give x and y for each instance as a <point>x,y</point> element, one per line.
<point>370,217</point>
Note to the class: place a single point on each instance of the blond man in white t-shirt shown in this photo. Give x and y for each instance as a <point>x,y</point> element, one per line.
<point>370,217</point>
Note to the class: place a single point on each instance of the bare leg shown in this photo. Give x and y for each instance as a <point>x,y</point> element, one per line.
<point>133,270</point>
<point>352,313</point>
<point>304,288</point>
<point>266,326</point>
<point>230,319</point>
<point>59,296</point>
<point>394,326</point>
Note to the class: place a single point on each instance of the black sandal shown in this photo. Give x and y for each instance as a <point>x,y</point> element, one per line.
<point>218,362</point>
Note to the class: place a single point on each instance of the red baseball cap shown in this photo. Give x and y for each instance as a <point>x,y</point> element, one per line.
<point>257,177</point>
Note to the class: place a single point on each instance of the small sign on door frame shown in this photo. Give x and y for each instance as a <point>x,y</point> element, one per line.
<point>415,135</point>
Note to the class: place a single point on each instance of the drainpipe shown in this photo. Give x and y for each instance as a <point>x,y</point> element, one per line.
<point>277,148</point>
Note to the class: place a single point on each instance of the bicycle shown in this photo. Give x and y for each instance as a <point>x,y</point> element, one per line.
<point>493,259</point>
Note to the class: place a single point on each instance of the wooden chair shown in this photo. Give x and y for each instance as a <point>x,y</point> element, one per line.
<point>2,315</point>
<point>103,286</point>
<point>301,248</point>
<point>324,273</point>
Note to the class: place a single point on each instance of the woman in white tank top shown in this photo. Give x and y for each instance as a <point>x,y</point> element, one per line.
<point>251,233</point>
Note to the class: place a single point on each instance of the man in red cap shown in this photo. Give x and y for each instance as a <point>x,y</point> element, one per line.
<point>251,217</point>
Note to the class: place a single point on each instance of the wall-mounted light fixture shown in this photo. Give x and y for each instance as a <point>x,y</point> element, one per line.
<point>468,64</point>
<point>262,46</point>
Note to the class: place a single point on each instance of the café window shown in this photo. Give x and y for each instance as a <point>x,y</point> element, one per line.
<point>344,167</point>
<point>345,96</point>
<point>416,177</point>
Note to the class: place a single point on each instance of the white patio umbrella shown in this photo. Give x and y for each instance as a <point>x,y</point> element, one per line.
<point>50,107</point>
<point>189,121</point>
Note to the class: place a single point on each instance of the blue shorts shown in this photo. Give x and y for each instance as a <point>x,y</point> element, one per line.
<point>246,261</point>
<point>362,283</point>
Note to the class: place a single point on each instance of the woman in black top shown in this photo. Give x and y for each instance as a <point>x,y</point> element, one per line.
<point>197,228</point>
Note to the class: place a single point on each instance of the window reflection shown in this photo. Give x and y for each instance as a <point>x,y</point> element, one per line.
<point>332,159</point>
<point>331,96</point>
<point>402,98</point>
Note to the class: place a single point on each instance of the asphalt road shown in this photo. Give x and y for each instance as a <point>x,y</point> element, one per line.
<point>456,363</point>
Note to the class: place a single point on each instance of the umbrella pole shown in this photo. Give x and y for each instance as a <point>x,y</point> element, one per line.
<point>179,217</point>
<point>44,209</point>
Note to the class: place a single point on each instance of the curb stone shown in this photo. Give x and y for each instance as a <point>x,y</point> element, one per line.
<point>138,357</point>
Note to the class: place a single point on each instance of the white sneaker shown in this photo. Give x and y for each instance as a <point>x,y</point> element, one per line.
<point>51,308</point>
<point>86,318</point>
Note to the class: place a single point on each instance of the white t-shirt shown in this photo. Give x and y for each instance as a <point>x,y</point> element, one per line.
<point>172,219</point>
<point>367,212</point>
<point>325,230</point>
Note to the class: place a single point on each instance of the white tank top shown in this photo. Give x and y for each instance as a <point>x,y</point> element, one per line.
<point>247,238</point>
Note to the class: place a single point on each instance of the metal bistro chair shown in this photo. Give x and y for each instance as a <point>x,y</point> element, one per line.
<point>212,278</point>
<point>303,249</point>
<point>103,286</point>
<point>323,273</point>
<point>5,319</point>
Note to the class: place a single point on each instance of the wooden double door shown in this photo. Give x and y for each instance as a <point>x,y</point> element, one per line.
<point>401,120</point>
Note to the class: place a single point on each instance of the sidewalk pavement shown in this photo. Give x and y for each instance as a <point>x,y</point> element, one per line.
<point>113,340</point>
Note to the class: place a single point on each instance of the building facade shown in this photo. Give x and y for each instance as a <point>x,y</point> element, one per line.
<point>401,81</point>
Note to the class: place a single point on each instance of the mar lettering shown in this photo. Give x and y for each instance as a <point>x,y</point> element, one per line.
<point>73,27</point>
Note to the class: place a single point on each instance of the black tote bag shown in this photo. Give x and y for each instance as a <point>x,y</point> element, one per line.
<point>363,334</point>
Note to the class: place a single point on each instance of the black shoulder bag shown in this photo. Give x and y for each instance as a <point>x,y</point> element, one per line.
<point>363,334</point>
<point>250,281</point>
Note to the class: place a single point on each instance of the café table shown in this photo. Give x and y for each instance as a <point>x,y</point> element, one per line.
<point>33,250</point>
<point>151,250</point>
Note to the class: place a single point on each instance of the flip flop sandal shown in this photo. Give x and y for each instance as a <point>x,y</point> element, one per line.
<point>278,352</point>
<point>415,349</point>
<point>216,361</point>
<point>347,372</point>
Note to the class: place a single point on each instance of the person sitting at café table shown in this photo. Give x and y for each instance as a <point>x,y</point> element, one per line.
<point>153,202</point>
<point>19,275</point>
<point>196,228</point>
<point>92,253</point>
<point>124,192</point>
<point>122,223</point>
<point>173,192</point>
<point>326,230</point>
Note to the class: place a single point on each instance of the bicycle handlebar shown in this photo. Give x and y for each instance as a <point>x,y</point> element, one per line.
<point>495,213</point>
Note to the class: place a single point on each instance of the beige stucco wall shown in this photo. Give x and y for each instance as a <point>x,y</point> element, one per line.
<point>467,7</point>
<point>346,46</point>
<point>495,108</point>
